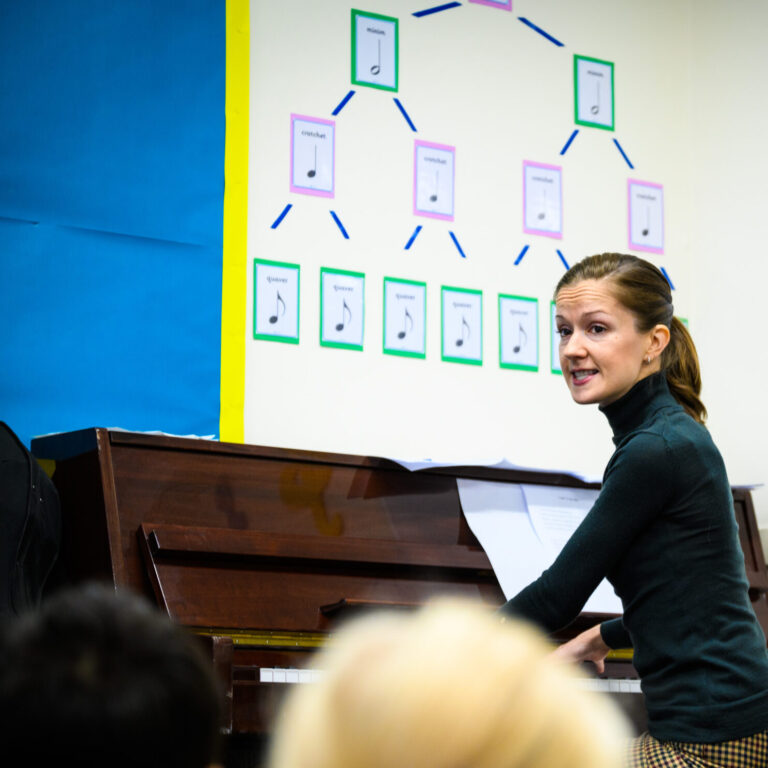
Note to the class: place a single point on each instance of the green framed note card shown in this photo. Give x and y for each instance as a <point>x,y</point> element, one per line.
<point>375,53</point>
<point>461,325</point>
<point>342,308</point>
<point>405,317</point>
<point>554,341</point>
<point>593,92</point>
<point>275,301</point>
<point>518,332</point>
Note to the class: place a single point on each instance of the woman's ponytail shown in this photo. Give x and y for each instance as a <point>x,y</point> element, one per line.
<point>681,365</point>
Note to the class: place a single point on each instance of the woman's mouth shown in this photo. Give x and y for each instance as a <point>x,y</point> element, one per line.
<point>582,376</point>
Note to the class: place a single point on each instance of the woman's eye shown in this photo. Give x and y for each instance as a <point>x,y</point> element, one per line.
<point>598,329</point>
<point>563,332</point>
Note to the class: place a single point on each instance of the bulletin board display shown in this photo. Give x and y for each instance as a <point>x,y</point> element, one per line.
<point>385,171</point>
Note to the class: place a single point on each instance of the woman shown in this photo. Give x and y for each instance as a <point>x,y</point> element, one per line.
<point>662,530</point>
<point>445,687</point>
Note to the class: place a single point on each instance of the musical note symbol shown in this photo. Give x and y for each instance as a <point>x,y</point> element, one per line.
<point>312,171</point>
<point>543,203</point>
<point>647,222</point>
<point>278,314</point>
<point>464,324</point>
<point>376,68</point>
<point>595,108</point>
<point>433,197</point>
<point>345,310</point>
<point>522,339</point>
<point>407,325</point>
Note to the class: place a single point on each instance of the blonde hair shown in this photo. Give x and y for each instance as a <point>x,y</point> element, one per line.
<point>643,290</point>
<point>447,687</point>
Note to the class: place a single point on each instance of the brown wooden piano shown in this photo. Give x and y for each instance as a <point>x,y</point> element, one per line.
<point>264,551</point>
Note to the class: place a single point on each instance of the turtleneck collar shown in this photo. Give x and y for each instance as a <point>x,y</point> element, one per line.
<point>632,410</point>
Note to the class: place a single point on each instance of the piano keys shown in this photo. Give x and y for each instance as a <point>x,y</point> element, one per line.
<point>292,675</point>
<point>263,551</point>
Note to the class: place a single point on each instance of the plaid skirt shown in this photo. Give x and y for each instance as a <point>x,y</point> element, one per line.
<point>647,752</point>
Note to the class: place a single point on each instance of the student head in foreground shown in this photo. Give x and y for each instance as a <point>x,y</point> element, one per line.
<point>99,678</point>
<point>449,686</point>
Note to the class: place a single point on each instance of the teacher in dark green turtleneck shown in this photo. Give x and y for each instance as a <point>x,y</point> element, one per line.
<point>662,530</point>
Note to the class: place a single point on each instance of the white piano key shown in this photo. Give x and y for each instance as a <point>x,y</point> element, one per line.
<point>612,685</point>
<point>279,675</point>
<point>288,675</point>
<point>291,675</point>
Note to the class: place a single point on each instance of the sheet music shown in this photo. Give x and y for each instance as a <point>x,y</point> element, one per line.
<point>522,529</point>
<point>414,465</point>
<point>556,512</point>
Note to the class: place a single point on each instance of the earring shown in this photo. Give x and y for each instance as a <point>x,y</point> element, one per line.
<point>648,360</point>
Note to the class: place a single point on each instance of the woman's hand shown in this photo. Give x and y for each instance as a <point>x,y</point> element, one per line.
<point>588,646</point>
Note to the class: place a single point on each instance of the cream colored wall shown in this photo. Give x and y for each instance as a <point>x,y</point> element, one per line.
<point>477,78</point>
<point>729,171</point>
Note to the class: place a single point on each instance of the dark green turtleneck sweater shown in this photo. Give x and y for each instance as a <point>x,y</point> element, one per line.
<point>664,533</point>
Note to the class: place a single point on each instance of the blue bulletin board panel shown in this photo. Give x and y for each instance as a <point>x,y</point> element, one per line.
<point>111,189</point>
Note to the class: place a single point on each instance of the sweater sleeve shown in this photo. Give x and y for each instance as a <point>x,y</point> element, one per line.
<point>638,481</point>
<point>615,634</point>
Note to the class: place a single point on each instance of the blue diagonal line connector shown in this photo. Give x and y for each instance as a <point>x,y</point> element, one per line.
<point>343,103</point>
<point>569,142</point>
<point>276,222</point>
<point>623,153</point>
<point>340,225</point>
<point>522,254</point>
<point>456,243</point>
<point>405,114</point>
<point>666,277</point>
<point>562,258</point>
<point>413,237</point>
<point>541,31</point>
<point>436,9</point>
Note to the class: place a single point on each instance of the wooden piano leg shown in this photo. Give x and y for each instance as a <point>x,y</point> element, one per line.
<point>221,651</point>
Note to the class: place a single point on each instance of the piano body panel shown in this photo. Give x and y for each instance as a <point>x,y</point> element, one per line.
<point>179,483</point>
<point>90,547</point>
<point>286,588</point>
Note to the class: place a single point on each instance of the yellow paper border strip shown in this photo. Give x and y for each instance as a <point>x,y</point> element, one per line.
<point>235,244</point>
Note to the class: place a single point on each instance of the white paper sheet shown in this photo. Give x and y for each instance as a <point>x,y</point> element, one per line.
<point>462,334</point>
<point>518,332</point>
<point>543,199</point>
<point>556,512</point>
<point>646,216</point>
<point>376,50</point>
<point>522,528</point>
<point>434,174</point>
<point>417,463</point>
<point>405,317</point>
<point>342,296</point>
<point>594,97</point>
<point>498,516</point>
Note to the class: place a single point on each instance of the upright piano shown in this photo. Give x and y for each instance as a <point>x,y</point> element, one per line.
<point>264,551</point>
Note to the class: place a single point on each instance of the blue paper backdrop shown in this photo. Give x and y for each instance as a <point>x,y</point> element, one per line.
<point>111,204</point>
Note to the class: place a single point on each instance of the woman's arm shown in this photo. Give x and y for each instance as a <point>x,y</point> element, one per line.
<point>639,479</point>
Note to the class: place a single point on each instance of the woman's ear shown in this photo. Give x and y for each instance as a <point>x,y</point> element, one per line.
<point>659,338</point>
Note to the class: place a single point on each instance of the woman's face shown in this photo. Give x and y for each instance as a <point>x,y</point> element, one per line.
<point>601,351</point>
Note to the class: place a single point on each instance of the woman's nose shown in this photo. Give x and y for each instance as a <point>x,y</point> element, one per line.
<point>573,346</point>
